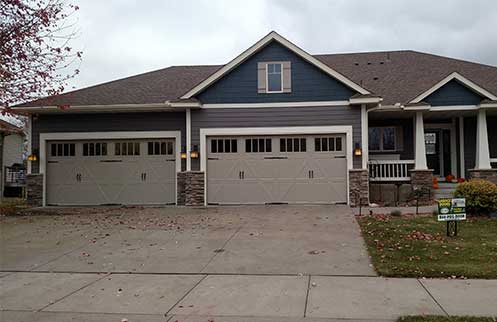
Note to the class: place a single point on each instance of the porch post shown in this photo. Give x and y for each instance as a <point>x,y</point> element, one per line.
<point>482,151</point>
<point>420,150</point>
<point>364,136</point>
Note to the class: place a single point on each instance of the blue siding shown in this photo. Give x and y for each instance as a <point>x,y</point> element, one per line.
<point>308,82</point>
<point>453,93</point>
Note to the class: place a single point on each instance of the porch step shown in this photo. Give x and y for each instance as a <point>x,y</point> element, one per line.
<point>445,190</point>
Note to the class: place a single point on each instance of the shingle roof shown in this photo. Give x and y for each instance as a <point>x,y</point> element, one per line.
<point>397,76</point>
<point>7,127</point>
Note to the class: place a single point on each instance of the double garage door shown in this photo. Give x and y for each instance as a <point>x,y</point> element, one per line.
<point>282,169</point>
<point>111,172</point>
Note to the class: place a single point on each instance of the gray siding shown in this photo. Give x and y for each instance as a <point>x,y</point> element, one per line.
<point>308,82</point>
<point>453,93</point>
<point>153,121</point>
<point>277,117</point>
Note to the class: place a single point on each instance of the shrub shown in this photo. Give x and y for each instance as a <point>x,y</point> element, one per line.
<point>396,213</point>
<point>481,196</point>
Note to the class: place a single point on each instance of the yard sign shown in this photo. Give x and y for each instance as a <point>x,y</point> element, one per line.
<point>452,210</point>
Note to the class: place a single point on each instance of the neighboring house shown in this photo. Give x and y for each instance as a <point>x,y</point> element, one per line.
<point>11,159</point>
<point>274,125</point>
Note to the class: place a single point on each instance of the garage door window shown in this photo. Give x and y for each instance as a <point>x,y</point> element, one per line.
<point>258,145</point>
<point>94,149</point>
<point>160,148</point>
<point>330,144</point>
<point>127,148</point>
<point>293,145</point>
<point>224,146</point>
<point>62,150</point>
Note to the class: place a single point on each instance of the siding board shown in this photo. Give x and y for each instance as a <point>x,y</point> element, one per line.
<point>453,93</point>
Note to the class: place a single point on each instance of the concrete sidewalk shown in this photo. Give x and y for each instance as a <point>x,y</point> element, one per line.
<point>60,297</point>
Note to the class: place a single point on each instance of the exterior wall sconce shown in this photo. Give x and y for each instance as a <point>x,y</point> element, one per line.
<point>357,150</point>
<point>33,156</point>
<point>194,154</point>
<point>183,153</point>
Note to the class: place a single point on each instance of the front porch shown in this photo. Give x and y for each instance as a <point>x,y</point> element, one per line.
<point>408,147</point>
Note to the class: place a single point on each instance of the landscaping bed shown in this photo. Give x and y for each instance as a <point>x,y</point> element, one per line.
<point>417,246</point>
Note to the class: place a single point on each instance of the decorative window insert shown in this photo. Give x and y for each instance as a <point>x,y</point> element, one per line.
<point>160,148</point>
<point>127,148</point>
<point>382,139</point>
<point>328,144</point>
<point>293,145</point>
<point>274,76</point>
<point>224,146</point>
<point>258,145</point>
<point>62,149</point>
<point>94,149</point>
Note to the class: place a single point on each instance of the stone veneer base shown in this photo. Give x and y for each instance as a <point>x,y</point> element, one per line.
<point>191,188</point>
<point>358,187</point>
<point>34,189</point>
<point>485,174</point>
<point>423,179</point>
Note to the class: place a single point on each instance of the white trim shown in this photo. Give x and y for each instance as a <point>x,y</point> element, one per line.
<point>493,160</point>
<point>364,136</point>
<point>99,108</point>
<point>309,130</point>
<point>188,139</point>
<point>482,149</point>
<point>453,145</point>
<point>44,137</point>
<point>454,108</point>
<point>184,104</point>
<point>29,131</point>
<point>420,148</point>
<point>267,78</point>
<point>282,104</point>
<point>480,90</point>
<point>261,43</point>
<point>462,172</point>
<point>365,100</point>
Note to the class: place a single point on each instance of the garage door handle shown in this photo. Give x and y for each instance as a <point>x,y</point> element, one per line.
<point>144,177</point>
<point>241,174</point>
<point>311,174</point>
<point>78,177</point>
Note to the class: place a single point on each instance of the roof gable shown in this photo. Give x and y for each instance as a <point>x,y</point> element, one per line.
<point>455,89</point>
<point>273,36</point>
<point>309,83</point>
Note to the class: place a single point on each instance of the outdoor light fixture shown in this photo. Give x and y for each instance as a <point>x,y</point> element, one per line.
<point>183,153</point>
<point>357,150</point>
<point>33,156</point>
<point>194,154</point>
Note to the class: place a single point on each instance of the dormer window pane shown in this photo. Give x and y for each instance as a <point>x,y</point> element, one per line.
<point>274,79</point>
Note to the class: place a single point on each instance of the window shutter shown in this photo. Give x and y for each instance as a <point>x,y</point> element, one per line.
<point>261,78</point>
<point>287,77</point>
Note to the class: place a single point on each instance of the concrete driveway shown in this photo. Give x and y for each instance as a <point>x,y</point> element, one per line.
<point>283,240</point>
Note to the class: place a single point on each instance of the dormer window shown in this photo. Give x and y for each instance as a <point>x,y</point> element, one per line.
<point>274,78</point>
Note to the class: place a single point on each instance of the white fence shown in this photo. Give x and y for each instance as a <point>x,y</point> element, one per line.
<point>390,170</point>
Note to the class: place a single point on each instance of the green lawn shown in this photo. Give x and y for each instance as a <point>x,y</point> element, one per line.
<point>418,247</point>
<point>444,319</point>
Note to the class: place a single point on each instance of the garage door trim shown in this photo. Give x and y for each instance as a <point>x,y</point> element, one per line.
<point>115,135</point>
<point>249,131</point>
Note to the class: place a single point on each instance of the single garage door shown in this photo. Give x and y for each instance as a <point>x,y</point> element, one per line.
<point>111,172</point>
<point>283,169</point>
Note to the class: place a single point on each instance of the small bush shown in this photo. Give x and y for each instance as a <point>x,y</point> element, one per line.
<point>481,196</point>
<point>395,213</point>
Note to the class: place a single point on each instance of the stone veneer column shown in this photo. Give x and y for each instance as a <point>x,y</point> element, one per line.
<point>485,174</point>
<point>191,188</point>
<point>423,179</point>
<point>358,187</point>
<point>34,189</point>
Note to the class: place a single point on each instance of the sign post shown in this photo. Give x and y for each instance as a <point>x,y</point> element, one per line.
<point>451,210</point>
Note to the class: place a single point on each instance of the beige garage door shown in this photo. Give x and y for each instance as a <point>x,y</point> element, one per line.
<point>283,169</point>
<point>111,172</point>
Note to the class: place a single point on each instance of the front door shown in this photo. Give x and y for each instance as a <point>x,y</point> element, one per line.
<point>437,142</point>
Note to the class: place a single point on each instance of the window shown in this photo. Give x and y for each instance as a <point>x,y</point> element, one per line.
<point>127,148</point>
<point>293,145</point>
<point>329,144</point>
<point>382,139</point>
<point>160,148</point>
<point>62,149</point>
<point>224,146</point>
<point>258,145</point>
<point>94,149</point>
<point>274,78</point>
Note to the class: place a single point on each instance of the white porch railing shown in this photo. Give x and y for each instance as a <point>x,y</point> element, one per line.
<point>390,170</point>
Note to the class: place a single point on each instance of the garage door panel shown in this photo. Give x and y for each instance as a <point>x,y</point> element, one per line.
<point>295,173</point>
<point>111,172</point>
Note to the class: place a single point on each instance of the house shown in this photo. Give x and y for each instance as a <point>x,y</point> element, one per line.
<point>274,125</point>
<point>11,159</point>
